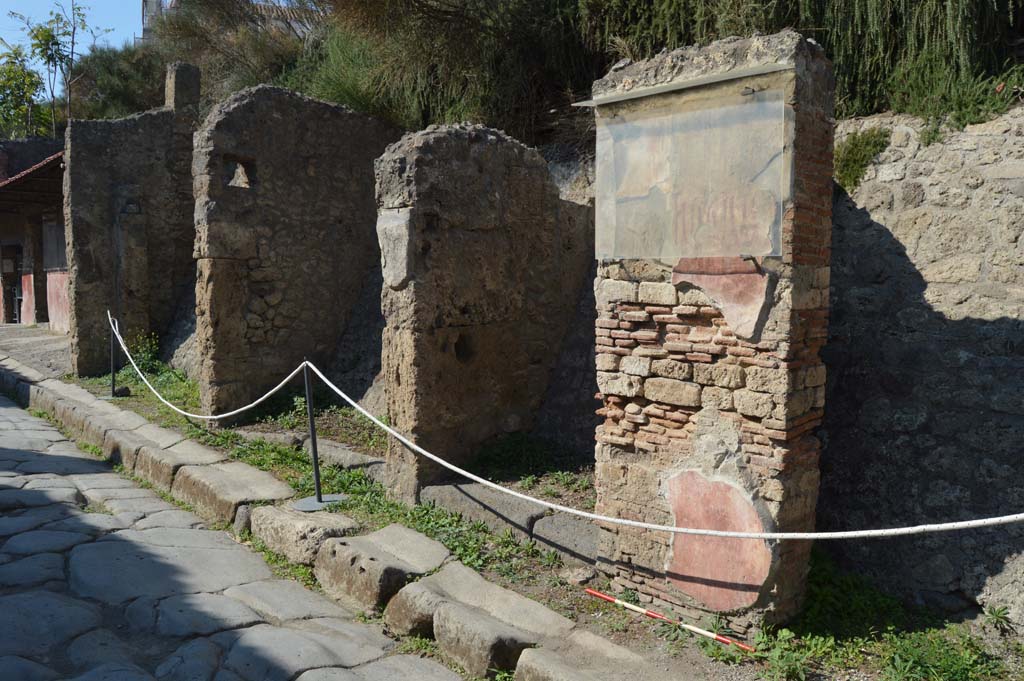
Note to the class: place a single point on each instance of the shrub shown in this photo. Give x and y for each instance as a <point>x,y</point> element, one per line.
<point>855,154</point>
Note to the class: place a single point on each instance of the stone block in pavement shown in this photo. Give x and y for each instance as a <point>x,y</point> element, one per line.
<point>27,498</point>
<point>160,436</point>
<point>269,653</point>
<point>282,600</point>
<point>95,426</point>
<point>190,615</point>
<point>368,570</point>
<point>573,537</point>
<point>26,670</point>
<point>479,503</point>
<point>33,570</point>
<point>115,671</point>
<point>583,656</point>
<point>159,466</point>
<point>458,583</point>
<point>36,622</point>
<point>43,541</point>
<point>98,647</point>
<point>477,641</point>
<point>298,535</point>
<point>394,668</point>
<point>215,491</point>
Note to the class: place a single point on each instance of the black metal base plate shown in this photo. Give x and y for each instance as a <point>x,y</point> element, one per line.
<point>310,504</point>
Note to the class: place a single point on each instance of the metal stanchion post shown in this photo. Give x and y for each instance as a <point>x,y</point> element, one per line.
<point>113,360</point>
<point>318,501</point>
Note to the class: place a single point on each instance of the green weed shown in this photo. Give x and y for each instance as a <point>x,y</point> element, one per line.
<point>949,654</point>
<point>998,617</point>
<point>855,154</point>
<point>417,645</point>
<point>280,565</point>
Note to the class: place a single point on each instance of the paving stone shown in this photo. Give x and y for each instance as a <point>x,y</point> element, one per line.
<point>177,536</point>
<point>25,670</point>
<point>25,498</point>
<point>216,491</point>
<point>60,464</point>
<point>478,503</point>
<point>368,570</point>
<point>43,541</point>
<point>195,661</point>
<point>96,426</point>
<point>35,622</point>
<point>115,671</point>
<point>141,613</point>
<point>32,571</point>
<point>114,570</point>
<point>283,599</point>
<point>96,648</point>
<point>159,466</point>
<point>406,667</point>
<point>180,519</point>
<point>477,641</point>
<point>574,538</point>
<point>200,614</point>
<point>49,483</point>
<point>102,496</point>
<point>455,582</point>
<point>298,535</point>
<point>90,523</point>
<point>145,505</point>
<point>336,454</point>
<point>584,656</point>
<point>102,481</point>
<point>268,653</point>
<point>32,518</point>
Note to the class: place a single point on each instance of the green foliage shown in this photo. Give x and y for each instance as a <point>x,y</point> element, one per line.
<point>783,657</point>
<point>998,617</point>
<point>19,86</point>
<point>867,40</point>
<point>115,82</point>
<point>855,154</point>
<point>145,348</point>
<point>280,565</point>
<point>925,86</point>
<point>947,654</point>
<point>417,645</point>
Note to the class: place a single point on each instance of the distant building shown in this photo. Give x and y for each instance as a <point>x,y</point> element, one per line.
<point>275,16</point>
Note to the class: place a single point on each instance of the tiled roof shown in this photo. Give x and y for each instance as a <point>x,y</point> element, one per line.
<point>45,163</point>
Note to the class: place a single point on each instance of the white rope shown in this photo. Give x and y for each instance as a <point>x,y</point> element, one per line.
<point>124,348</point>
<point>849,534</point>
<point>853,534</point>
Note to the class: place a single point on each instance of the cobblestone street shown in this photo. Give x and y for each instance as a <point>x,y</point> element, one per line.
<point>102,580</point>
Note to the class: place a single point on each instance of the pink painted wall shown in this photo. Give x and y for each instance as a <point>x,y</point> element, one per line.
<point>28,299</point>
<point>57,302</point>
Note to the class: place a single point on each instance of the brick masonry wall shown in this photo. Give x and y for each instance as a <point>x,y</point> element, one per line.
<point>128,221</point>
<point>285,238</point>
<point>692,412</point>
<point>925,414</point>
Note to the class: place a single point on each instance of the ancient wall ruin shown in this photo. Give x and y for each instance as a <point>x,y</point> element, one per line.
<point>925,361</point>
<point>709,367</point>
<point>128,220</point>
<point>483,265</point>
<point>285,239</point>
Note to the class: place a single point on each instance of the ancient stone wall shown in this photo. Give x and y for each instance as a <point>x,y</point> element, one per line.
<point>925,358</point>
<point>128,220</point>
<point>710,369</point>
<point>483,265</point>
<point>19,155</point>
<point>285,242</point>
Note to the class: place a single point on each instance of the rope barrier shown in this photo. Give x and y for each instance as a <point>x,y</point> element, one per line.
<point>124,348</point>
<point>767,536</point>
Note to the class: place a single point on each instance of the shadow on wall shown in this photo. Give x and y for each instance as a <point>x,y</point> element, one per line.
<point>924,415</point>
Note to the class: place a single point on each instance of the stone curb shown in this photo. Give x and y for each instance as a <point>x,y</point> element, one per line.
<point>192,473</point>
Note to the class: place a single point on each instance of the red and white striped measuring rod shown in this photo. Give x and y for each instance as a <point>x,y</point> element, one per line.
<point>658,616</point>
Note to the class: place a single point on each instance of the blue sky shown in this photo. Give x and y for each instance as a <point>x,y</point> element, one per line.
<point>123,16</point>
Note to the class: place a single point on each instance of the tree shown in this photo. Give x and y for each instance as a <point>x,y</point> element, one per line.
<point>114,82</point>
<point>19,86</point>
<point>55,43</point>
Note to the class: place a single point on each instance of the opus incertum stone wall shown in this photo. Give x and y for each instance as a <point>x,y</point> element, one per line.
<point>128,220</point>
<point>926,362</point>
<point>709,367</point>
<point>285,215</point>
<point>483,267</point>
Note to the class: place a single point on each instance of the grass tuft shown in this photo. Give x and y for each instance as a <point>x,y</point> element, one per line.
<point>855,154</point>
